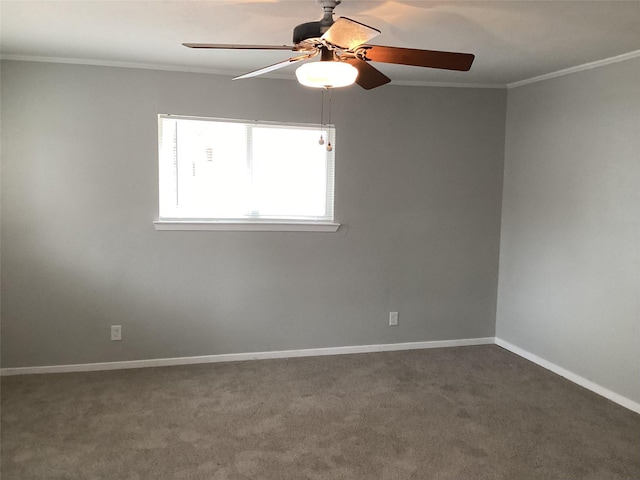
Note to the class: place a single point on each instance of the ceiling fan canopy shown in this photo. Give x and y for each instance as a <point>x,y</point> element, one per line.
<point>345,42</point>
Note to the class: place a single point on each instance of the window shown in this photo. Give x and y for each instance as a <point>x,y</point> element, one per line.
<point>241,175</point>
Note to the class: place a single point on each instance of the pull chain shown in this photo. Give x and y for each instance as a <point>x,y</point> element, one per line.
<point>321,141</point>
<point>329,146</point>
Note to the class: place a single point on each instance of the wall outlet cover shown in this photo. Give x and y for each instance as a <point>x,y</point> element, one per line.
<point>116,333</point>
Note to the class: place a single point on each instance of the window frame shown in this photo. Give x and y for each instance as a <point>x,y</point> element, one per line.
<point>248,223</point>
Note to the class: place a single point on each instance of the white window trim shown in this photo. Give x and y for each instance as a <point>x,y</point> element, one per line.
<point>244,226</point>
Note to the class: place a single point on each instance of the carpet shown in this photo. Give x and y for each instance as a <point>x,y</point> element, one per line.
<point>452,413</point>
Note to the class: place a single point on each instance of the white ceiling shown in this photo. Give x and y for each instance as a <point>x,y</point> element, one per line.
<point>512,40</point>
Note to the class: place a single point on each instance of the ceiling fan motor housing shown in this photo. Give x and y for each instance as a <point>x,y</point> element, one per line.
<point>308,30</point>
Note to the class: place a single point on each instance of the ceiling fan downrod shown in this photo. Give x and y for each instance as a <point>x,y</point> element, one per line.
<point>327,18</point>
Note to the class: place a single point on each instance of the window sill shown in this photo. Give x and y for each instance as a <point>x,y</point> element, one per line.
<point>230,226</point>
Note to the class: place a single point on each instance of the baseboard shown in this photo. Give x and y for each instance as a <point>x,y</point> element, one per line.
<point>575,378</point>
<point>316,352</point>
<point>238,357</point>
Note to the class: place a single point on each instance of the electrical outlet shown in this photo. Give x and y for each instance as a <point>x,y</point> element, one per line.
<point>393,319</point>
<point>116,333</point>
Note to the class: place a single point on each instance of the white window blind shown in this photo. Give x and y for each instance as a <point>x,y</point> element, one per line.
<point>217,169</point>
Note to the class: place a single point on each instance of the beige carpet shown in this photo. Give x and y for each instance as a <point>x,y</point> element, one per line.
<point>456,413</point>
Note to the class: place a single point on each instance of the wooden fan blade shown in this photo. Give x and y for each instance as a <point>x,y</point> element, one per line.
<point>419,58</point>
<point>368,77</point>
<point>346,33</point>
<point>226,46</point>
<point>276,66</point>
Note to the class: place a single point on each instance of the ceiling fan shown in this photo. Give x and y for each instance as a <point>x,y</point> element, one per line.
<point>345,54</point>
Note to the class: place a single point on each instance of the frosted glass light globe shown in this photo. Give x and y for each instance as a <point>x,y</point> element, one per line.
<point>327,74</point>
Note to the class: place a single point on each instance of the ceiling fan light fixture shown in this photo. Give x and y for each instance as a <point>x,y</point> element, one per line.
<point>326,74</point>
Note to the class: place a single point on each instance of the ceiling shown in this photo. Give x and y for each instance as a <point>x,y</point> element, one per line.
<point>512,40</point>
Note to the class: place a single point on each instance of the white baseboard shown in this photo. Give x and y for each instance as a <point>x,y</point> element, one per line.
<point>575,378</point>
<point>315,352</point>
<point>238,357</point>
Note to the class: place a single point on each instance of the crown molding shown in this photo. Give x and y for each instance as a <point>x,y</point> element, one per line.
<point>211,71</point>
<point>413,83</point>
<point>579,68</point>
<point>109,63</point>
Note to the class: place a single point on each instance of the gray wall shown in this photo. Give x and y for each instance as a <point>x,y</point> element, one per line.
<point>570,250</point>
<point>418,191</point>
